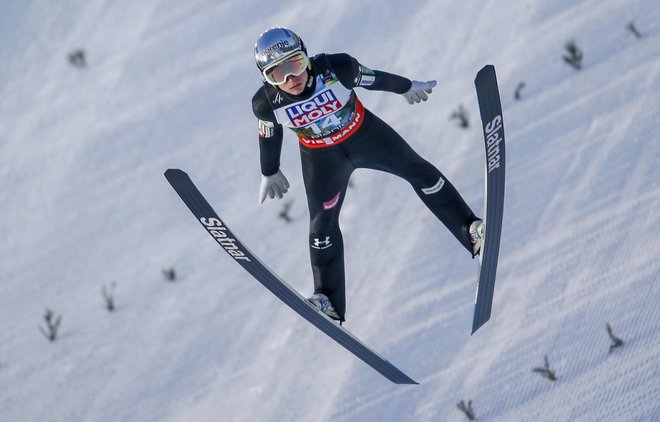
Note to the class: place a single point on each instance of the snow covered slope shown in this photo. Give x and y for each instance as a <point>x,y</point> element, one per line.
<point>83,204</point>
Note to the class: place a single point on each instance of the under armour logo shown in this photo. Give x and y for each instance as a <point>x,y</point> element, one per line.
<point>322,244</point>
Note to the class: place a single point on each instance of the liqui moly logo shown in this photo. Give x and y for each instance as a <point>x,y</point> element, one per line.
<point>313,109</point>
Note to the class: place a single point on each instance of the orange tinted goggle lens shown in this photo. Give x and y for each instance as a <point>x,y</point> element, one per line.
<point>292,66</point>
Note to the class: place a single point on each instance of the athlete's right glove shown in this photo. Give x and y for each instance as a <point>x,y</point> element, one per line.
<point>274,185</point>
<point>418,91</point>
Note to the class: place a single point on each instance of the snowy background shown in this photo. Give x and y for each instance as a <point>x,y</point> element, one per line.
<point>84,204</point>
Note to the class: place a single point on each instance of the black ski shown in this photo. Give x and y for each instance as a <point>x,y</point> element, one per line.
<point>230,243</point>
<point>493,126</point>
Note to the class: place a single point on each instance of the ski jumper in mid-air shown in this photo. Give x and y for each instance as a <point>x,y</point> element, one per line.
<point>314,97</point>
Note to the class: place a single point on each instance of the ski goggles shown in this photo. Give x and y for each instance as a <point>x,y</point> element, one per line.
<point>294,65</point>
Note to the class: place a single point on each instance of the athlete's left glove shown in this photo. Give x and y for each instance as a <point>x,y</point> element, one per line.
<point>418,91</point>
<point>274,185</point>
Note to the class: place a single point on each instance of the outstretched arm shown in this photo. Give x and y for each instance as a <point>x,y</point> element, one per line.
<point>353,74</point>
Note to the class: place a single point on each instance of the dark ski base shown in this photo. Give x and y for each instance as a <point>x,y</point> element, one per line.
<point>230,243</point>
<point>493,126</point>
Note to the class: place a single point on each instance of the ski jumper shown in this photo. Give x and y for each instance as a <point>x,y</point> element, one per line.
<point>338,135</point>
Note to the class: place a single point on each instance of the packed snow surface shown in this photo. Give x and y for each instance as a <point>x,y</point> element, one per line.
<point>167,84</point>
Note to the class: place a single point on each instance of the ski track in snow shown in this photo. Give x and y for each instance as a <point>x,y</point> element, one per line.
<point>168,84</point>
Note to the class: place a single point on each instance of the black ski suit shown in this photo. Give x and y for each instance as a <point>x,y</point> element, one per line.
<point>338,135</point>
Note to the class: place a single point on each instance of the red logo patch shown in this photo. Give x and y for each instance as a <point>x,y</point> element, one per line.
<point>332,203</point>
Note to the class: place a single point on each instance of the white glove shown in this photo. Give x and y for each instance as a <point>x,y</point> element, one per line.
<point>275,185</point>
<point>418,91</point>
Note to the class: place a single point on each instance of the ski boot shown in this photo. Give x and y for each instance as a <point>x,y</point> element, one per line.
<point>322,303</point>
<point>477,232</point>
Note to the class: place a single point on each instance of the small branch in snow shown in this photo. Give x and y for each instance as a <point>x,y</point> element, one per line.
<point>52,325</point>
<point>77,59</point>
<point>575,56</point>
<point>169,274</point>
<point>519,88</point>
<point>632,28</point>
<point>616,341</point>
<point>108,295</point>
<point>461,116</point>
<point>467,409</point>
<point>284,214</point>
<point>545,371</point>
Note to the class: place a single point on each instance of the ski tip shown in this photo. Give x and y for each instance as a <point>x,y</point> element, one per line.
<point>173,173</point>
<point>487,68</point>
<point>485,71</point>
